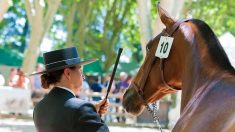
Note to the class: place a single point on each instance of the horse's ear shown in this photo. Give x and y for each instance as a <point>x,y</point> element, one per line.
<point>165,17</point>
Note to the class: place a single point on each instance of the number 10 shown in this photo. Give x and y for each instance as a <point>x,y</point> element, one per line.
<point>164,47</point>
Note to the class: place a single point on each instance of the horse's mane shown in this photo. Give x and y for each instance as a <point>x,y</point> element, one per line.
<point>216,51</point>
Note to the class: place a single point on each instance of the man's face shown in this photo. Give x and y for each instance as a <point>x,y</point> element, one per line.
<point>76,78</point>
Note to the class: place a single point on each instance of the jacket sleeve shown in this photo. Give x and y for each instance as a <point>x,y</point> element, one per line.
<point>87,120</point>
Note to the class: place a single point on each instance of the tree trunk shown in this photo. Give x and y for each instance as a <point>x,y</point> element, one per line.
<point>144,13</point>
<point>77,30</point>
<point>108,44</point>
<point>70,21</point>
<point>40,23</point>
<point>80,35</point>
<point>36,22</point>
<point>4,5</point>
<point>32,51</point>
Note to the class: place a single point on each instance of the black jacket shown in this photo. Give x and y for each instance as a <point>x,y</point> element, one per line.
<point>60,111</point>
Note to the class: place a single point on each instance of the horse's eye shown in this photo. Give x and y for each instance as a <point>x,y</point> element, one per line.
<point>147,48</point>
<point>148,45</point>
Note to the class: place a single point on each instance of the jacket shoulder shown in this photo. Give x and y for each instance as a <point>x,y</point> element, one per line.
<point>76,103</point>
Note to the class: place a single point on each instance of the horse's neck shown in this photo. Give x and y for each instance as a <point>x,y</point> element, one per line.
<point>196,75</point>
<point>204,64</point>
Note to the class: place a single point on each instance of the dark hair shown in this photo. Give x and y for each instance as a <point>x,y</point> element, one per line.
<point>50,78</point>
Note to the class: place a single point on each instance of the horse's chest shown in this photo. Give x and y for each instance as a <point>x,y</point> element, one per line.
<point>207,111</point>
<point>205,119</point>
<point>189,117</point>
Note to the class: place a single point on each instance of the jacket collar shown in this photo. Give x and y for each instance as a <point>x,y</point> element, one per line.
<point>60,93</point>
<point>65,88</point>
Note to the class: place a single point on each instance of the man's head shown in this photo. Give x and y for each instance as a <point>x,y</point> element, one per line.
<point>123,76</point>
<point>63,67</point>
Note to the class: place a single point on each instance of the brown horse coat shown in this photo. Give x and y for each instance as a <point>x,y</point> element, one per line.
<point>199,66</point>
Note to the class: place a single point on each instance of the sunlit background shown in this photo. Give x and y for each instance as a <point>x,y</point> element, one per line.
<point>29,28</point>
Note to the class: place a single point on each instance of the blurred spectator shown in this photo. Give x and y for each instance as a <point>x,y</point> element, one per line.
<point>84,91</point>
<point>37,90</point>
<point>123,83</point>
<point>20,80</point>
<point>2,79</point>
<point>106,84</point>
<point>96,87</point>
<point>12,74</point>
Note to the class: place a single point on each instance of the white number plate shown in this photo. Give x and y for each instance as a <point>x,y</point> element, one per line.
<point>164,47</point>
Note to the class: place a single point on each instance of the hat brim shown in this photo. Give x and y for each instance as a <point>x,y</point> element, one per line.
<point>85,62</point>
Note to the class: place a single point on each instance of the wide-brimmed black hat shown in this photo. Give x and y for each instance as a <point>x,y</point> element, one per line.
<point>62,58</point>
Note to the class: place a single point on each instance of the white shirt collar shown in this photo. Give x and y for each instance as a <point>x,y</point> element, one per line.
<point>66,89</point>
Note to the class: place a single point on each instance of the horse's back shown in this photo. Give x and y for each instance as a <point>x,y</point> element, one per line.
<point>213,111</point>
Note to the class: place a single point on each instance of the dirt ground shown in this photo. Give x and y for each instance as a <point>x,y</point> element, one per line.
<point>26,125</point>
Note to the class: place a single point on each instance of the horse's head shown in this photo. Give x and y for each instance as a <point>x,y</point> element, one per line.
<point>156,77</point>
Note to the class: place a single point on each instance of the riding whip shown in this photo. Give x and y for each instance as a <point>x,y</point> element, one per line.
<point>113,73</point>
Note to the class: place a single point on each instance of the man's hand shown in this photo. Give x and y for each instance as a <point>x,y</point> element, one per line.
<point>102,107</point>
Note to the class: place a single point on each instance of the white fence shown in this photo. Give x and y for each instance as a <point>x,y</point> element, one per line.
<point>116,112</point>
<point>14,100</point>
<point>18,101</point>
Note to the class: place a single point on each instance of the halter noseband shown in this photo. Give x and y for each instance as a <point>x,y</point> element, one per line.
<point>169,33</point>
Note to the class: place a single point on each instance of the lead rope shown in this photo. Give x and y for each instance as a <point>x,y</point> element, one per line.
<point>153,111</point>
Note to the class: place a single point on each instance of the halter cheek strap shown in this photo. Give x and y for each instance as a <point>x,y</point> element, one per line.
<point>169,89</point>
<point>169,33</point>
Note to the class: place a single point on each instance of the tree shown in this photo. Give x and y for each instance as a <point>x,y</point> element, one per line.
<point>77,21</point>
<point>114,21</point>
<point>40,16</point>
<point>98,27</point>
<point>219,15</point>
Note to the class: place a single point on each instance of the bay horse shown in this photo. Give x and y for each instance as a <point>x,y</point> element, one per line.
<point>197,65</point>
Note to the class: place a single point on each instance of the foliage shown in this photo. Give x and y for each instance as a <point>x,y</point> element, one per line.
<point>116,27</point>
<point>14,28</point>
<point>99,28</point>
<point>154,9</point>
<point>218,14</point>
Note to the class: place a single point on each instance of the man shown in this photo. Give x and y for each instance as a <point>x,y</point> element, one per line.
<point>60,110</point>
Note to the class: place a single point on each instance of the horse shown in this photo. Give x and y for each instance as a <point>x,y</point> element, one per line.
<point>198,65</point>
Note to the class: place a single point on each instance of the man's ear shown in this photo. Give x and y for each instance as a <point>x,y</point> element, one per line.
<point>67,73</point>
